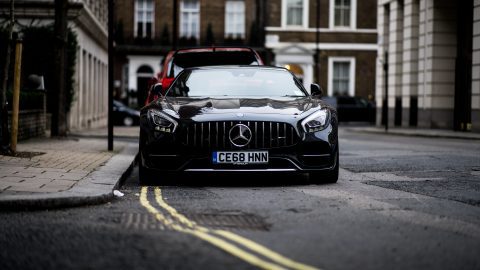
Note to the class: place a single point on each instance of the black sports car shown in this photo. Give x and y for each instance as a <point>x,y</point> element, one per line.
<point>238,119</point>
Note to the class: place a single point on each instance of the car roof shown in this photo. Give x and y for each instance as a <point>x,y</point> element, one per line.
<point>238,66</point>
<point>213,49</point>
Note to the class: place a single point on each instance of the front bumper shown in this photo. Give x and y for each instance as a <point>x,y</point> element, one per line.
<point>315,152</point>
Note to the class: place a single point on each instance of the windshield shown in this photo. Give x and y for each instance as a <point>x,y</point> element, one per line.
<point>253,82</point>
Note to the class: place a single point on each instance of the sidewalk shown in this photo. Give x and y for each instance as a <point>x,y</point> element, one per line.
<point>71,171</point>
<point>419,132</point>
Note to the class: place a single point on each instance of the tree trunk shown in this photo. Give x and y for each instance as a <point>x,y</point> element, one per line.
<point>59,117</point>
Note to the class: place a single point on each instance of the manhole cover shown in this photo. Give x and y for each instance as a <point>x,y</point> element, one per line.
<point>230,221</point>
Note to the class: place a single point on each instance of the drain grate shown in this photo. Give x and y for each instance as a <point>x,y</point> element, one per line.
<point>140,221</point>
<point>242,221</point>
<point>230,221</point>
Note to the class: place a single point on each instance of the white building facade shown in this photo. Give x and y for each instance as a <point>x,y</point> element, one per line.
<point>90,104</point>
<point>88,19</point>
<point>429,62</point>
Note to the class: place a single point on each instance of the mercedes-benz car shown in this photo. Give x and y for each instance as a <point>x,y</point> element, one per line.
<point>238,119</point>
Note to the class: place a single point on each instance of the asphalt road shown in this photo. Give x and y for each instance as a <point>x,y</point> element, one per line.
<point>400,203</point>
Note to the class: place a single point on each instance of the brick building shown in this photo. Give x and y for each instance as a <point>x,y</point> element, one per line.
<point>344,32</point>
<point>433,63</point>
<point>144,34</point>
<point>283,31</point>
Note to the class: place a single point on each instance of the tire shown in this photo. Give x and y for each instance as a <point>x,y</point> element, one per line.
<point>330,177</point>
<point>145,176</point>
<point>128,121</point>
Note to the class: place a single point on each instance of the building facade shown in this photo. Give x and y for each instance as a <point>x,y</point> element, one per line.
<point>145,33</point>
<point>330,42</point>
<point>88,20</point>
<point>429,64</point>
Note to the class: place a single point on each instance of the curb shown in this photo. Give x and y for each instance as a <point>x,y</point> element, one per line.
<point>96,188</point>
<point>413,134</point>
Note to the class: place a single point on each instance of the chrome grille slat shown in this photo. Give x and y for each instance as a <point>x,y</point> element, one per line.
<point>209,134</point>
<point>195,135</point>
<point>214,135</point>
<point>270,135</point>
<point>263,134</point>
<point>201,135</point>
<point>255,134</point>
<point>278,134</point>
<point>224,137</point>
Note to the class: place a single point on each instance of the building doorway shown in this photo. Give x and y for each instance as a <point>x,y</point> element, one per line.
<point>144,75</point>
<point>463,67</point>
<point>297,70</point>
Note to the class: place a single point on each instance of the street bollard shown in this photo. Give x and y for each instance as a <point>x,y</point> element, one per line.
<point>16,94</point>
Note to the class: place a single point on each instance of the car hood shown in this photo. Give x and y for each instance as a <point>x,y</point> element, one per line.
<point>189,108</point>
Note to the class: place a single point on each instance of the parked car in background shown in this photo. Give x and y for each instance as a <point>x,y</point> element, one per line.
<point>238,119</point>
<point>176,61</point>
<point>124,116</point>
<point>353,109</point>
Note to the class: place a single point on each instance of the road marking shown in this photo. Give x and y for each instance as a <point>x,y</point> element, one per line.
<point>204,235</point>
<point>253,246</point>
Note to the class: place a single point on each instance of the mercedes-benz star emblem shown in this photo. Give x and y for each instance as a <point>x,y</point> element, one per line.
<point>240,135</point>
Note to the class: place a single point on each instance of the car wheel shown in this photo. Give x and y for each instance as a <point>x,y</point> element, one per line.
<point>145,176</point>
<point>326,177</point>
<point>127,121</point>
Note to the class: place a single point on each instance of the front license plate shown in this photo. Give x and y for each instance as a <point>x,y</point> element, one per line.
<point>240,158</point>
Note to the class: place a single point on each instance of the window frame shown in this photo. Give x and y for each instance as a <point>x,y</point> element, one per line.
<point>136,19</point>
<point>305,17</point>
<point>351,83</point>
<point>190,11</point>
<point>353,16</point>
<point>234,18</point>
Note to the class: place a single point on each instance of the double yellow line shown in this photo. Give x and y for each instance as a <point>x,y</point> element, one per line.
<point>238,246</point>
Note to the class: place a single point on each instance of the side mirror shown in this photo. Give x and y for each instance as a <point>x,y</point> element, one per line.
<point>316,90</point>
<point>157,89</point>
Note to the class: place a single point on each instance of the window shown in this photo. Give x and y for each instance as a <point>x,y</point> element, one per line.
<point>295,13</point>
<point>144,17</point>
<point>341,76</point>
<point>343,13</point>
<point>190,19</point>
<point>235,19</point>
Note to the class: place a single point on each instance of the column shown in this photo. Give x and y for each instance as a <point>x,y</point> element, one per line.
<point>476,68</point>
<point>410,63</point>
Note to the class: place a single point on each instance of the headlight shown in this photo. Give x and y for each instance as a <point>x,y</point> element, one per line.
<point>316,121</point>
<point>162,122</point>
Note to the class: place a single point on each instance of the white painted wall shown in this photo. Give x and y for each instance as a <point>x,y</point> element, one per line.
<point>135,62</point>
<point>89,107</point>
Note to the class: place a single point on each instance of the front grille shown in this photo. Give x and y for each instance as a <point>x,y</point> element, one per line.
<point>215,135</point>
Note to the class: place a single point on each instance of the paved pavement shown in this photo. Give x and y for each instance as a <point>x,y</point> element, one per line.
<point>418,132</point>
<point>77,170</point>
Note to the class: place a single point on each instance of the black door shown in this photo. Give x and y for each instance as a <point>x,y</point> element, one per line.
<point>142,88</point>
<point>463,67</point>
